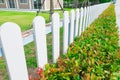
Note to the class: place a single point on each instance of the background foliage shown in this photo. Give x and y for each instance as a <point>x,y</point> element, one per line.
<point>78,3</point>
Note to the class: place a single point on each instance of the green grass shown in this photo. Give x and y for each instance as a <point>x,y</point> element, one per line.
<point>24,19</point>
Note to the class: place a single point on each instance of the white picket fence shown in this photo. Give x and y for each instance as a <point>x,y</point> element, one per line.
<point>74,25</point>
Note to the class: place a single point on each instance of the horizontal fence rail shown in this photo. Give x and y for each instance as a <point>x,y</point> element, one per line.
<point>73,25</point>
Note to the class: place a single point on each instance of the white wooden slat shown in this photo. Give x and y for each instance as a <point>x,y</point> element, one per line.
<point>92,17</point>
<point>72,23</point>
<point>97,10</point>
<point>56,36</point>
<point>81,21</point>
<point>12,46</point>
<point>87,10</point>
<point>88,16</point>
<point>40,41</point>
<point>77,22</point>
<point>84,20</point>
<point>65,32</point>
<point>95,13</point>
<point>92,14</point>
<point>96,7</point>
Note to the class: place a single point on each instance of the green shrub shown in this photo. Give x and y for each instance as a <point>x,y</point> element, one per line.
<point>93,56</point>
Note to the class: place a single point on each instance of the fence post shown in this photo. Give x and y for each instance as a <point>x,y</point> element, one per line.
<point>65,32</point>
<point>40,41</point>
<point>81,21</point>
<point>77,22</point>
<point>12,46</point>
<point>56,36</point>
<point>72,23</point>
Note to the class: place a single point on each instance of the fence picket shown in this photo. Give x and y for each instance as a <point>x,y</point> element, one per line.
<point>13,51</point>
<point>92,14</point>
<point>88,14</point>
<point>40,41</point>
<point>56,36</point>
<point>65,32</point>
<point>81,21</point>
<point>77,22</point>
<point>72,23</point>
<point>86,17</point>
<point>84,20</point>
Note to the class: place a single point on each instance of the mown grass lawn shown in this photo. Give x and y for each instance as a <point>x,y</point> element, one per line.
<point>24,19</point>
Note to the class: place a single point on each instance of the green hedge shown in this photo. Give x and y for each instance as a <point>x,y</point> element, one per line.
<point>93,56</point>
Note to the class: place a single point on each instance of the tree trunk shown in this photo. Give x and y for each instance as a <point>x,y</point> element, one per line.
<point>97,2</point>
<point>51,8</point>
<point>76,3</point>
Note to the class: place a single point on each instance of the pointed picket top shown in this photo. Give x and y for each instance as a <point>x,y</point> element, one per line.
<point>72,23</point>
<point>81,21</point>
<point>56,36</point>
<point>12,46</point>
<point>65,32</point>
<point>77,22</point>
<point>40,41</point>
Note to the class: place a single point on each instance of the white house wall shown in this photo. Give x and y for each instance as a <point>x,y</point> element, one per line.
<point>56,4</point>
